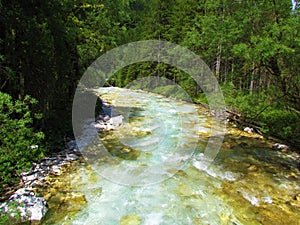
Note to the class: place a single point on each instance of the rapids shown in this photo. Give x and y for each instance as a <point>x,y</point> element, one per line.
<point>155,171</point>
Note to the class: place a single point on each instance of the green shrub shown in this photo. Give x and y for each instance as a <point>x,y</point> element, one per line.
<point>271,115</point>
<point>281,123</point>
<point>17,135</point>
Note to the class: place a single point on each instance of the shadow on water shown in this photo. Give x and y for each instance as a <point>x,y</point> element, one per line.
<point>249,151</point>
<point>116,148</point>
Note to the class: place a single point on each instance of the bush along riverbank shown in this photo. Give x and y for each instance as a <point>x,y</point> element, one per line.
<point>265,114</point>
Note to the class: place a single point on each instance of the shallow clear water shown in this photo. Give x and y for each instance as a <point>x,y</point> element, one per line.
<point>155,171</point>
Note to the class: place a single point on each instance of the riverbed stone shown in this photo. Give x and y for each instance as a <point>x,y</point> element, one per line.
<point>97,191</point>
<point>252,168</point>
<point>248,130</point>
<point>140,133</point>
<point>297,197</point>
<point>69,202</point>
<point>74,201</point>
<point>72,157</point>
<point>130,220</point>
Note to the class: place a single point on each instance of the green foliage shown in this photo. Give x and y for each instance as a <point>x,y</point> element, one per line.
<point>253,47</point>
<point>269,113</point>
<point>16,137</point>
<point>248,104</point>
<point>281,123</point>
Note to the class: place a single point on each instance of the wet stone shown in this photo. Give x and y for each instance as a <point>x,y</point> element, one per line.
<point>297,197</point>
<point>130,220</point>
<point>252,168</point>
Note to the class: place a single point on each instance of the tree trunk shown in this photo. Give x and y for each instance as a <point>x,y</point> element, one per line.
<point>218,63</point>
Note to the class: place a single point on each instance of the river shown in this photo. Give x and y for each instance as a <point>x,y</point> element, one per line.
<point>154,170</point>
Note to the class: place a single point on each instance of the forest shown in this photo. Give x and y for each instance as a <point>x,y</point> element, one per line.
<point>252,47</point>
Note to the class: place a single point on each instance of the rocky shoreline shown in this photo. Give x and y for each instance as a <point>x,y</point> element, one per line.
<point>26,204</point>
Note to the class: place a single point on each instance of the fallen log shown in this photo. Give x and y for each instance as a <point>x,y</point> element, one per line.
<point>238,118</point>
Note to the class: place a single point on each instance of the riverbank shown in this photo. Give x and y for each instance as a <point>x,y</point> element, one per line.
<point>26,203</point>
<point>31,198</point>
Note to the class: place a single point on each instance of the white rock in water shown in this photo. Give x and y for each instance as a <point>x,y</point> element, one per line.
<point>106,118</point>
<point>117,120</point>
<point>30,206</point>
<point>110,127</point>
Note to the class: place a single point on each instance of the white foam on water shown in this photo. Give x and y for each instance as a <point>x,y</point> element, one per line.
<point>154,219</point>
<point>251,198</point>
<point>202,163</point>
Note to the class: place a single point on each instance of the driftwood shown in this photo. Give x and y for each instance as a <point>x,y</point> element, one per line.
<point>8,191</point>
<point>238,118</point>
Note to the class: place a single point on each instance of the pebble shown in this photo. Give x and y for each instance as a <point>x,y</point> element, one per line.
<point>297,197</point>
<point>280,146</point>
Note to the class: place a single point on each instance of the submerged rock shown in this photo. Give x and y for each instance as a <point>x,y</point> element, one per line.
<point>297,197</point>
<point>97,191</point>
<point>252,168</point>
<point>74,201</point>
<point>130,220</point>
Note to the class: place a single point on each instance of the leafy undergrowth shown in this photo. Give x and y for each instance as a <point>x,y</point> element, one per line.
<point>273,116</point>
<point>20,144</point>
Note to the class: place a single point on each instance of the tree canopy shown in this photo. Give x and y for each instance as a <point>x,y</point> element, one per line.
<point>253,48</point>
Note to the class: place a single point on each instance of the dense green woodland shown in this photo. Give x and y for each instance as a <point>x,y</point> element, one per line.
<point>253,47</point>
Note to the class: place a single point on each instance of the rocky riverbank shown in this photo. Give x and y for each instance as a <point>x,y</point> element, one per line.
<point>26,204</point>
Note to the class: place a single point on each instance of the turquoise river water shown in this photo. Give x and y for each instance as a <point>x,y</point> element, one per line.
<point>153,170</point>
